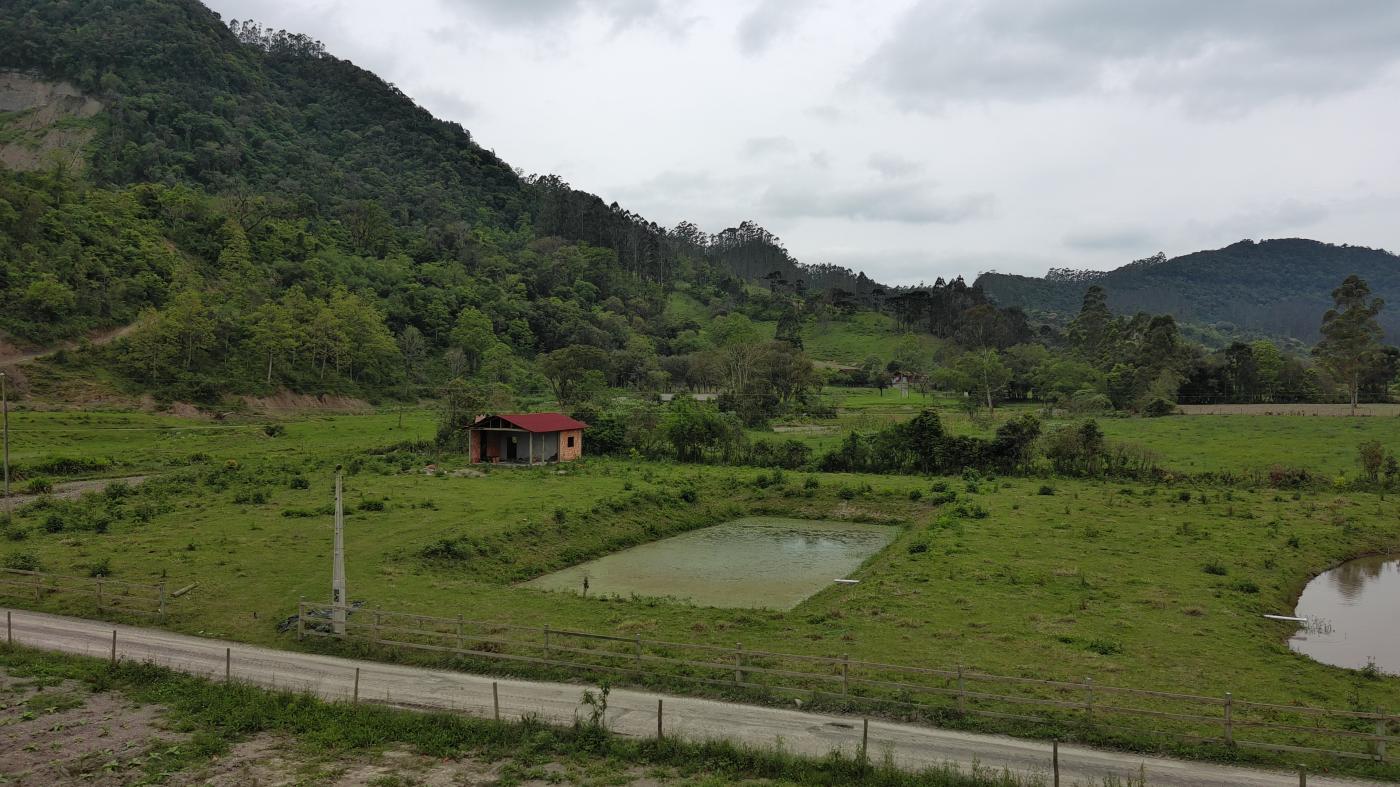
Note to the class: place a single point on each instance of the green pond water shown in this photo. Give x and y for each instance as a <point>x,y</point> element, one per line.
<point>763,562</point>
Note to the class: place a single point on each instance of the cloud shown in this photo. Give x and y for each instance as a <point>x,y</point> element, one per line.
<point>533,14</point>
<point>765,24</point>
<point>759,147</point>
<point>892,165</point>
<point>905,203</point>
<point>1210,56</point>
<point>1132,239</point>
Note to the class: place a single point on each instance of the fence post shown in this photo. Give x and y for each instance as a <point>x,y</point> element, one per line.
<point>301,618</point>
<point>1302,776</point>
<point>1229,719</point>
<point>495,700</point>
<point>114,646</point>
<point>864,742</point>
<point>99,592</point>
<point>228,665</point>
<point>9,629</point>
<point>162,599</point>
<point>460,645</point>
<point>738,663</point>
<point>658,718</point>
<point>1381,729</point>
<point>546,641</point>
<point>38,588</point>
<point>845,673</point>
<point>355,698</point>
<point>1055,760</point>
<point>1089,700</point>
<point>638,647</point>
<point>962,691</point>
<point>377,635</point>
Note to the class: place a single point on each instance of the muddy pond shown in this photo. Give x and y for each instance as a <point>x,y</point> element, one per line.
<point>762,562</point>
<point>1353,614</point>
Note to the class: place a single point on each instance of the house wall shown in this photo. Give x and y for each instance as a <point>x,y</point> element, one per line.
<point>567,454</point>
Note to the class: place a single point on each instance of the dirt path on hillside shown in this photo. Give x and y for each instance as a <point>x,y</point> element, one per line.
<point>72,490</point>
<point>630,712</point>
<point>12,354</point>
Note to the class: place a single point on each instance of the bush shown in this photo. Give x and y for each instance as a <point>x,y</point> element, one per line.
<point>1105,647</point>
<point>299,483</point>
<point>23,561</point>
<point>918,547</point>
<point>274,430</point>
<point>915,495</point>
<point>1215,569</point>
<point>54,523</point>
<point>1246,586</point>
<point>1046,489</point>
<point>371,505</point>
<point>102,568</point>
<point>689,495</point>
<point>39,486</point>
<point>1159,407</point>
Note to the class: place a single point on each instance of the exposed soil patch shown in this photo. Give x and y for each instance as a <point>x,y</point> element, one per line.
<point>40,122</point>
<point>66,735</point>
<point>288,402</point>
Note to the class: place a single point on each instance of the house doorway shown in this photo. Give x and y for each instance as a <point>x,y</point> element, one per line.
<point>512,449</point>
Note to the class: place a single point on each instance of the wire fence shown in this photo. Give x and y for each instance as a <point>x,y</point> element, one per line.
<point>930,692</point>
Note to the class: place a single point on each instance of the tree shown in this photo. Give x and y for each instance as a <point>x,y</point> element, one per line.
<point>272,333</point>
<point>985,372</point>
<point>565,369</point>
<point>474,334</point>
<point>1092,330</point>
<point>1351,336</point>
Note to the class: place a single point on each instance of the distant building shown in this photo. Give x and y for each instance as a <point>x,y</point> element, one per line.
<point>526,438</point>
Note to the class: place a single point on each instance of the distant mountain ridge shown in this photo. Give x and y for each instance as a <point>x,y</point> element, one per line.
<point>1274,287</point>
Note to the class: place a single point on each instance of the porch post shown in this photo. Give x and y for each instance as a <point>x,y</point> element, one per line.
<point>531,437</point>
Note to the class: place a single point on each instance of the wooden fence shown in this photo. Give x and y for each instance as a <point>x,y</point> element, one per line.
<point>1107,711</point>
<point>108,595</point>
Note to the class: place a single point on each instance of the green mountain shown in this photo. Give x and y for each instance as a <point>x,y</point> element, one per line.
<point>1275,288</point>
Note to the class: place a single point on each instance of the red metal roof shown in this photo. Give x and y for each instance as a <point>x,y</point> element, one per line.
<point>541,422</point>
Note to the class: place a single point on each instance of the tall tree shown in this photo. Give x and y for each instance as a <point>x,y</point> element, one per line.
<point>1351,336</point>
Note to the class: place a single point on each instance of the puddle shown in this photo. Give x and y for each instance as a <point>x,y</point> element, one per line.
<point>1353,614</point>
<point>751,562</point>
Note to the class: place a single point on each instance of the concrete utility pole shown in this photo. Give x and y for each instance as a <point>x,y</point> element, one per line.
<point>5,408</point>
<point>338,563</point>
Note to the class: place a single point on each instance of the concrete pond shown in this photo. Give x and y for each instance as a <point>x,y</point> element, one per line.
<point>1353,614</point>
<point>758,562</point>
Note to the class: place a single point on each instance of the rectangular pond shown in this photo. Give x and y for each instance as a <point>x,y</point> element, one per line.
<point>766,562</point>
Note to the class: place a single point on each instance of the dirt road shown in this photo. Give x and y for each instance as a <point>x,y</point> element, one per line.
<point>629,712</point>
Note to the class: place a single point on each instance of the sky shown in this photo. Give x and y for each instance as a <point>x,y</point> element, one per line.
<point>914,139</point>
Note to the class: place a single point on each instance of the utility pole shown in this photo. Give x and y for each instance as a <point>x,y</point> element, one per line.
<point>338,563</point>
<point>5,408</point>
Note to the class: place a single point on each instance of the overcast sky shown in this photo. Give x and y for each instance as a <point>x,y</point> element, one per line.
<point>921,139</point>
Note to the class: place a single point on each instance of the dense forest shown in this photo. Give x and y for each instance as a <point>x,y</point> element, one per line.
<point>258,215</point>
<point>1265,289</point>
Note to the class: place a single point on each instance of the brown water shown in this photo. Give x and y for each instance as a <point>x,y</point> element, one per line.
<point>751,562</point>
<point>1353,614</point>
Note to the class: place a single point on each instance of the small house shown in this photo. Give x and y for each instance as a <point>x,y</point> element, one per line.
<point>526,438</point>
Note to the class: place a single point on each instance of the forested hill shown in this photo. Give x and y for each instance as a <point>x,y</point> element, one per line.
<point>240,111</point>
<point>1271,287</point>
<point>255,214</point>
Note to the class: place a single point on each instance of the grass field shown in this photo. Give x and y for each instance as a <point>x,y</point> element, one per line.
<point>1046,577</point>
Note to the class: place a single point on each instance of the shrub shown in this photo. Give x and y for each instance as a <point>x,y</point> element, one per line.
<point>299,483</point>
<point>371,505</point>
<point>942,497</point>
<point>39,486</point>
<point>915,495</point>
<point>1215,569</point>
<point>846,493</point>
<point>101,568</point>
<point>274,430</point>
<point>689,495</point>
<point>1046,489</point>
<point>54,524</point>
<point>1245,586</point>
<point>23,561</point>
<point>918,547</point>
<point>1159,407</point>
<point>1105,647</point>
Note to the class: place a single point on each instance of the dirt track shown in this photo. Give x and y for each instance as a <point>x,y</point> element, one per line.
<point>71,490</point>
<point>630,712</point>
